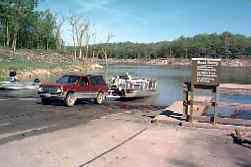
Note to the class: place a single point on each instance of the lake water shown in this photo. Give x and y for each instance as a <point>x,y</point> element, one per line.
<point>170,81</point>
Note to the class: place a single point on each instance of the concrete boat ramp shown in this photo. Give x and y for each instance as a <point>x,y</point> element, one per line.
<point>108,136</point>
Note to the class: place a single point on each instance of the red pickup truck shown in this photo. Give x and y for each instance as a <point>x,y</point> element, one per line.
<point>70,88</point>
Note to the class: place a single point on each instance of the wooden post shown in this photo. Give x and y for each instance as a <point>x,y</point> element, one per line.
<point>106,67</point>
<point>191,105</point>
<point>214,120</point>
<point>214,105</point>
<point>185,101</point>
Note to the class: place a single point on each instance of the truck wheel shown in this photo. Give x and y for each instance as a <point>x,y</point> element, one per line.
<point>100,98</point>
<point>70,100</point>
<point>45,101</point>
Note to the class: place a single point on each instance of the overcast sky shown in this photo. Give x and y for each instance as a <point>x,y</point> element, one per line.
<point>156,20</point>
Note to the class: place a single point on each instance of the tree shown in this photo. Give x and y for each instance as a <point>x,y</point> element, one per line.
<point>81,35</point>
<point>19,10</point>
<point>59,24</point>
<point>24,27</point>
<point>47,24</point>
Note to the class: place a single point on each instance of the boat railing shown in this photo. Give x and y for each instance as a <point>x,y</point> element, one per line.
<point>137,85</point>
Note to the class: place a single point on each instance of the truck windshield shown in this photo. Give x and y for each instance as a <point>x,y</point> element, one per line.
<point>68,79</point>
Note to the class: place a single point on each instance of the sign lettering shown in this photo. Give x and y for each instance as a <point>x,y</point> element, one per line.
<point>205,72</point>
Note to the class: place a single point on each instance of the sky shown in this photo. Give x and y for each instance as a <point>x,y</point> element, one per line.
<point>155,20</point>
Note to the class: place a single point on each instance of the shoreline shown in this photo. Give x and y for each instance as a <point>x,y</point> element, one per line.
<point>177,62</point>
<point>233,88</point>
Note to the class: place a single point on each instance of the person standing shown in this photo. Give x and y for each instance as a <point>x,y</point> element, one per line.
<point>13,75</point>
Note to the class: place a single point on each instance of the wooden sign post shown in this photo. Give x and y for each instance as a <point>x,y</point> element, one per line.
<point>206,75</point>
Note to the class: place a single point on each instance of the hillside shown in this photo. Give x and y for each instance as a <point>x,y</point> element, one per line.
<point>30,64</point>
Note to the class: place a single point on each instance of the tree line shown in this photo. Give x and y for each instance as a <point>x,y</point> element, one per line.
<point>22,25</point>
<point>223,45</point>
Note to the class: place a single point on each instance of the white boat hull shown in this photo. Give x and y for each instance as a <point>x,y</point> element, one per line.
<point>6,85</point>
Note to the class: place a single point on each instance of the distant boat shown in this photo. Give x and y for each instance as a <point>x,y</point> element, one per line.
<point>124,86</point>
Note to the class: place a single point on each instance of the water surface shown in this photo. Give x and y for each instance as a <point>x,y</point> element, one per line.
<point>170,81</point>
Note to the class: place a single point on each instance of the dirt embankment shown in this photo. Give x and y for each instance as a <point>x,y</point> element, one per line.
<point>39,64</point>
<point>47,73</point>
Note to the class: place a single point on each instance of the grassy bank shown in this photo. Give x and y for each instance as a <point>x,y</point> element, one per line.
<point>28,63</point>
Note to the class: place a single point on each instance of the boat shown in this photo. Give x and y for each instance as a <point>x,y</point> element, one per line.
<point>125,86</point>
<point>20,85</point>
<point>14,84</point>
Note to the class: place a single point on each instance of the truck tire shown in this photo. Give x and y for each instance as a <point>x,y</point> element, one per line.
<point>70,100</point>
<point>100,98</point>
<point>45,101</point>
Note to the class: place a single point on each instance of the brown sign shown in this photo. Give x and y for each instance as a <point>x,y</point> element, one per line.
<point>206,71</point>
